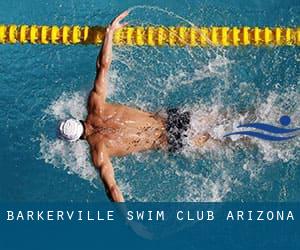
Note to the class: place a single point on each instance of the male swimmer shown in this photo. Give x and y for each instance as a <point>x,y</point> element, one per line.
<point>117,130</point>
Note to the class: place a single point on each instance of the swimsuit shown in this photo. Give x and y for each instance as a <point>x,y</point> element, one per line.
<point>177,125</point>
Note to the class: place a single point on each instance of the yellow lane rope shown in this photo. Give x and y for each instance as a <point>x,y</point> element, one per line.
<point>152,35</point>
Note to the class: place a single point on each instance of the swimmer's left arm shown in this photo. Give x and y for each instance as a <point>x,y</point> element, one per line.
<point>105,56</point>
<point>103,164</point>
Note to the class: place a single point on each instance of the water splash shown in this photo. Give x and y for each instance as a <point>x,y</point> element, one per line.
<point>215,85</point>
<point>74,158</point>
<point>192,185</point>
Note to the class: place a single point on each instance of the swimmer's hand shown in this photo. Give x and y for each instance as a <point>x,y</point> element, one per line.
<point>115,24</point>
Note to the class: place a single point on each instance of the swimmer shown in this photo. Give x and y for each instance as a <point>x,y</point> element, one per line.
<point>114,130</point>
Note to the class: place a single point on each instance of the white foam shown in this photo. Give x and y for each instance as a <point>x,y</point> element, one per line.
<point>216,121</point>
<point>68,105</point>
<point>200,188</point>
<point>214,118</point>
<point>72,157</point>
<point>271,110</point>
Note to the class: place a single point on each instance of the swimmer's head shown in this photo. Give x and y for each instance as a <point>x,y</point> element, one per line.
<point>70,130</point>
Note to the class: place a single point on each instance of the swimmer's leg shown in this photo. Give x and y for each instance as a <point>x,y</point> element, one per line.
<point>200,140</point>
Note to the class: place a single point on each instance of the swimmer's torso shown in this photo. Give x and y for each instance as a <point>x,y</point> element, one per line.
<point>124,130</point>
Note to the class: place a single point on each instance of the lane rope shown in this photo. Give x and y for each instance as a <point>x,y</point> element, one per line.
<point>152,35</point>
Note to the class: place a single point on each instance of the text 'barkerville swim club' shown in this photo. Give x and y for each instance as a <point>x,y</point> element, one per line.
<point>149,215</point>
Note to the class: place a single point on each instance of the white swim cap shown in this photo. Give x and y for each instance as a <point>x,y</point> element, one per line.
<point>70,130</point>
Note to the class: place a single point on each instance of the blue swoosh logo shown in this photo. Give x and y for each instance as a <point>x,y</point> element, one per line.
<point>284,121</point>
<point>262,136</point>
<point>269,128</point>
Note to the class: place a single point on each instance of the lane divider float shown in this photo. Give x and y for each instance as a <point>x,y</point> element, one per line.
<point>152,35</point>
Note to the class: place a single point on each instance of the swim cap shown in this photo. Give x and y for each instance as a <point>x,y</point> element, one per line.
<point>70,130</point>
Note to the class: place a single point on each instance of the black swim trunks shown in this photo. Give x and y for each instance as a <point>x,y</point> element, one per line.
<point>177,125</point>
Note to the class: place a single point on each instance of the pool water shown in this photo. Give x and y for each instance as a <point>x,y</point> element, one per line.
<point>43,84</point>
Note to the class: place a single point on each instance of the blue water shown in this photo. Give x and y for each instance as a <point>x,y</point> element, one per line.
<point>42,84</point>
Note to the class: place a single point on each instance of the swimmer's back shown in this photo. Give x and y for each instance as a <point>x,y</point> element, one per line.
<point>126,130</point>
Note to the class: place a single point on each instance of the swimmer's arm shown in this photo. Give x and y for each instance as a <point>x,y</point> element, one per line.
<point>105,56</point>
<point>103,164</point>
